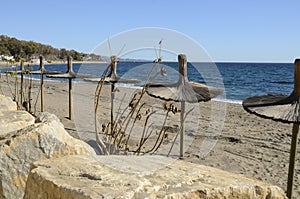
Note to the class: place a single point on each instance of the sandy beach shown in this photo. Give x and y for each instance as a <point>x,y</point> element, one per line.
<point>238,142</point>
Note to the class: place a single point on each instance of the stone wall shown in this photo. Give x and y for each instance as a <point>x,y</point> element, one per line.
<point>24,140</point>
<point>139,177</point>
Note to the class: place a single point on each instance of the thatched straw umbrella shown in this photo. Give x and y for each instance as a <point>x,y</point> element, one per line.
<point>70,74</point>
<point>281,108</point>
<point>182,91</point>
<point>113,78</point>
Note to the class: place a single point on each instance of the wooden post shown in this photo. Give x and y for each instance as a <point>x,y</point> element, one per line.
<point>112,107</point>
<point>293,160</point>
<point>29,94</point>
<point>182,129</point>
<point>42,82</point>
<point>114,60</point>
<point>70,70</point>
<point>16,87</point>
<point>297,77</point>
<point>294,142</point>
<point>70,66</point>
<point>70,98</point>
<point>22,81</point>
<point>182,69</point>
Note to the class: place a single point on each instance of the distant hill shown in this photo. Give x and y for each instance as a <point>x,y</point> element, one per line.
<point>27,50</point>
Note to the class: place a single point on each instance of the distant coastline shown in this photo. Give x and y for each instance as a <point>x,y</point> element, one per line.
<point>5,64</point>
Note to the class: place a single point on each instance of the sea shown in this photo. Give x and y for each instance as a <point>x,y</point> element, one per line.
<point>238,80</point>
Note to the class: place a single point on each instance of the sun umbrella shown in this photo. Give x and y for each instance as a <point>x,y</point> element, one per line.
<point>70,74</point>
<point>182,91</point>
<point>281,108</point>
<point>113,78</point>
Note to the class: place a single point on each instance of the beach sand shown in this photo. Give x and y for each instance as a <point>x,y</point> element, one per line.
<point>219,134</point>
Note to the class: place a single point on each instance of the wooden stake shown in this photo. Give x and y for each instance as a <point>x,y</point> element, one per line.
<point>29,95</point>
<point>70,65</point>
<point>297,77</point>
<point>42,82</point>
<point>70,98</point>
<point>293,160</point>
<point>16,88</point>
<point>182,69</point>
<point>22,81</point>
<point>112,107</point>
<point>70,70</point>
<point>114,60</point>
<point>182,129</point>
<point>294,142</point>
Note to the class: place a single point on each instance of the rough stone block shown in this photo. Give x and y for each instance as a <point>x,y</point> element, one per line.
<point>139,177</point>
<point>39,141</point>
<point>14,120</point>
<point>6,104</point>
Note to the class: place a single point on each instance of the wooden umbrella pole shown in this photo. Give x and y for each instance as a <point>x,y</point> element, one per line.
<point>295,133</point>
<point>114,61</point>
<point>297,78</point>
<point>42,82</point>
<point>182,69</point>
<point>182,129</point>
<point>16,88</point>
<point>22,81</point>
<point>42,92</point>
<point>70,65</point>
<point>293,159</point>
<point>112,108</point>
<point>70,70</point>
<point>70,98</point>
<point>29,96</point>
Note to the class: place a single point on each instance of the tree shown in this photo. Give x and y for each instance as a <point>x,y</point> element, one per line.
<point>28,49</point>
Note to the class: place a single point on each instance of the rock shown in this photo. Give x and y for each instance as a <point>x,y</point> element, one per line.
<point>39,141</point>
<point>83,176</point>
<point>6,104</point>
<point>14,120</point>
<point>11,119</point>
<point>46,117</point>
<point>1,191</point>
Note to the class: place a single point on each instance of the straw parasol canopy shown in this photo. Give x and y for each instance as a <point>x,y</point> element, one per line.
<point>113,77</point>
<point>70,73</point>
<point>42,69</point>
<point>182,91</point>
<point>283,108</point>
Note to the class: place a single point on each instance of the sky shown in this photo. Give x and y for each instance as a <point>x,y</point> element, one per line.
<point>228,30</point>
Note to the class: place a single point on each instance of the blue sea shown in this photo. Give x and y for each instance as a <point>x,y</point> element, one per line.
<point>239,80</point>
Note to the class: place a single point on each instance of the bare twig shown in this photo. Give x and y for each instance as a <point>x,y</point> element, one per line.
<point>100,143</point>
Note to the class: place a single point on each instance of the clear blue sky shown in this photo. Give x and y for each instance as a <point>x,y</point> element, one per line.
<point>229,30</point>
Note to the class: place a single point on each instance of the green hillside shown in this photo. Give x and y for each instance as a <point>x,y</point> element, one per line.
<point>27,50</point>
